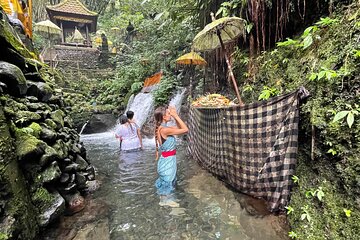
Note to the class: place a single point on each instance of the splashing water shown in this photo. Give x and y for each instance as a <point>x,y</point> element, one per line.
<point>142,106</point>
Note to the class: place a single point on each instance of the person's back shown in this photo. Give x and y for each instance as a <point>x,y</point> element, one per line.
<point>129,137</point>
<point>130,116</point>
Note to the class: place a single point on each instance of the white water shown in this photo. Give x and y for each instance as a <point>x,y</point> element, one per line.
<point>83,127</point>
<point>142,106</point>
<point>176,101</point>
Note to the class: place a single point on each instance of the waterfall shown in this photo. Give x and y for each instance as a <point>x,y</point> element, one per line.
<point>142,106</point>
<point>83,127</point>
<point>176,101</point>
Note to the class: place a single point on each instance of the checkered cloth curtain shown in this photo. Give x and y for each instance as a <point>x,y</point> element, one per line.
<point>253,148</point>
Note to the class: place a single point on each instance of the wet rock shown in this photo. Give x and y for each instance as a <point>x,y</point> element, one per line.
<point>91,170</point>
<point>40,90</point>
<point>100,123</point>
<point>92,186</point>
<point>48,135</point>
<point>61,148</point>
<point>49,156</point>
<point>70,187</point>
<point>94,231</point>
<point>58,117</point>
<point>253,206</point>
<point>82,151</point>
<point>64,178</point>
<point>82,163</point>
<point>32,99</point>
<point>50,174</point>
<point>76,203</point>
<point>72,178</point>
<point>80,181</point>
<point>52,212</point>
<point>68,122</point>
<point>13,78</point>
<point>37,106</point>
<point>73,167</point>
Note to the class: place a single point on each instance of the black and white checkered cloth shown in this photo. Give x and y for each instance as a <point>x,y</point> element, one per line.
<point>253,148</point>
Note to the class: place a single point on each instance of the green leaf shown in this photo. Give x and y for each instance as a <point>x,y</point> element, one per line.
<point>295,179</point>
<point>347,212</point>
<point>293,235</point>
<point>332,151</point>
<point>320,194</point>
<point>321,74</point>
<point>313,76</point>
<point>340,115</point>
<point>350,119</point>
<point>289,210</point>
<point>307,41</point>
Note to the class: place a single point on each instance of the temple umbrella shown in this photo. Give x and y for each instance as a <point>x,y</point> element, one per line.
<point>115,29</point>
<point>216,34</point>
<point>191,58</point>
<point>77,37</point>
<point>50,29</point>
<point>99,32</point>
<point>47,27</point>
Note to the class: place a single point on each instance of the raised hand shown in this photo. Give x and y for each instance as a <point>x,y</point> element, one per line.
<point>172,111</point>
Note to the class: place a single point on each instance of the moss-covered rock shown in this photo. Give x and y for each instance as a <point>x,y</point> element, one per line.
<point>51,124</point>
<point>58,117</point>
<point>50,174</point>
<point>36,129</point>
<point>29,147</point>
<point>40,90</point>
<point>18,205</point>
<point>49,156</point>
<point>14,79</point>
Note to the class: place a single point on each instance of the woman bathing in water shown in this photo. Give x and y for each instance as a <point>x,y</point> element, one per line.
<point>166,146</point>
<point>128,135</point>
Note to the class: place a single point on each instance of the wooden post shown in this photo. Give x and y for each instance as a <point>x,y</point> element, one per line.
<point>87,35</point>
<point>62,34</point>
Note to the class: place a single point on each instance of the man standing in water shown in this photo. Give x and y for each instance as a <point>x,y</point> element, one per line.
<point>130,116</point>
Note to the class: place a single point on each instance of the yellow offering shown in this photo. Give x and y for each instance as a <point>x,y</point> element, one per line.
<point>212,100</point>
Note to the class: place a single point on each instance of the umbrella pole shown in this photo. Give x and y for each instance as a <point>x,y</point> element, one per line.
<point>230,68</point>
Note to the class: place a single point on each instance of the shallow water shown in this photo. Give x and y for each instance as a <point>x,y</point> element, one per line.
<point>207,208</point>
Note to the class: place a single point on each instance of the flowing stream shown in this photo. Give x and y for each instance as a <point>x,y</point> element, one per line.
<point>207,208</point>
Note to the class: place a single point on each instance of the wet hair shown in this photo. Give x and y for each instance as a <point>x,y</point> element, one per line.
<point>123,119</point>
<point>158,115</point>
<point>130,114</point>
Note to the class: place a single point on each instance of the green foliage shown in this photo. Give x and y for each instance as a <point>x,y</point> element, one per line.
<point>324,22</point>
<point>289,210</point>
<point>329,68</point>
<point>159,41</point>
<point>347,212</point>
<point>350,115</point>
<point>163,93</point>
<point>268,92</point>
<point>293,235</point>
<point>295,179</point>
<point>288,42</point>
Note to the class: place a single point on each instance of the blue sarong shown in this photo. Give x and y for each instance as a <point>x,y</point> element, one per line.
<point>166,168</point>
